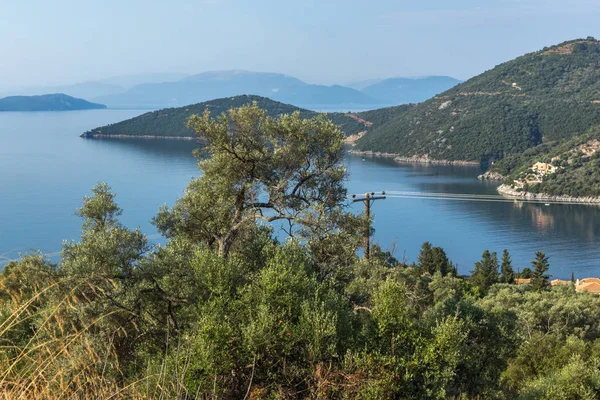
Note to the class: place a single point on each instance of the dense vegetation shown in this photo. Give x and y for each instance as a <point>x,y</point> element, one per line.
<point>47,102</point>
<point>577,161</point>
<point>226,310</point>
<point>544,96</point>
<point>171,122</point>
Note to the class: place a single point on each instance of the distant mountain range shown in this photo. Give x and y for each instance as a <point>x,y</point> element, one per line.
<point>92,89</point>
<point>48,102</point>
<point>129,81</point>
<point>406,90</point>
<point>284,88</point>
<point>175,90</point>
<point>211,85</point>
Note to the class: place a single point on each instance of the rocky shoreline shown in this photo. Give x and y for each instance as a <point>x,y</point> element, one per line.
<point>102,136</point>
<point>412,160</point>
<point>509,191</point>
<point>492,176</point>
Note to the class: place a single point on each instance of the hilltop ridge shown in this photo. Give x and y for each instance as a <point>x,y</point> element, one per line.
<point>171,122</point>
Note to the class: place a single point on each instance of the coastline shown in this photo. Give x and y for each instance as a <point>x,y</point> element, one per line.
<point>509,191</point>
<point>103,136</point>
<point>412,160</point>
<point>492,176</point>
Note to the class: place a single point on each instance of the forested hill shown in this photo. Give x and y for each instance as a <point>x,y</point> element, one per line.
<point>548,95</point>
<point>171,122</point>
<point>574,167</point>
<point>47,102</point>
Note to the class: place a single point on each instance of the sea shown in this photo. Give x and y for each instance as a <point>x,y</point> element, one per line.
<point>46,169</point>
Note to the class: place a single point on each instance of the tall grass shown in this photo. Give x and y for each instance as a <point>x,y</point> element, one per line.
<point>45,353</point>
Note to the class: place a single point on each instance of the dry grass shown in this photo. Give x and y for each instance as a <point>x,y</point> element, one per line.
<point>46,353</point>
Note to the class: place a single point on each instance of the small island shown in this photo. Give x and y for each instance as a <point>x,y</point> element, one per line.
<point>47,102</point>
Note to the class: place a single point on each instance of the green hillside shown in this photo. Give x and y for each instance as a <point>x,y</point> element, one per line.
<point>47,102</point>
<point>171,122</point>
<point>575,167</point>
<point>544,96</point>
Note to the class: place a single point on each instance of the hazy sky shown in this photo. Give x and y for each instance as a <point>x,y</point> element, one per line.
<point>46,42</point>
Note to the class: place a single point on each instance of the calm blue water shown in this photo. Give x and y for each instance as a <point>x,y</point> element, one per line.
<point>46,169</point>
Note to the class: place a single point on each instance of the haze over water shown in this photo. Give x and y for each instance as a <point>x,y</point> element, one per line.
<point>46,169</point>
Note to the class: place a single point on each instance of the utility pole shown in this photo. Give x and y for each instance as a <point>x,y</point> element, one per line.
<point>367,198</point>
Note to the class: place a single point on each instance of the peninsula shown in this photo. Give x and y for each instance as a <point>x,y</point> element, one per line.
<point>170,123</point>
<point>47,102</point>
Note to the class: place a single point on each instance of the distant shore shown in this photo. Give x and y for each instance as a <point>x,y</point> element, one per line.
<point>509,191</point>
<point>102,136</point>
<point>413,160</point>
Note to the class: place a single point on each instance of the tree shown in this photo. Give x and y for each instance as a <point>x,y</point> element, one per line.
<point>526,273</point>
<point>441,262</point>
<point>506,269</point>
<point>434,259</point>
<point>259,169</point>
<point>100,274</point>
<point>539,278</point>
<point>107,248</point>
<point>425,258</point>
<point>100,210</point>
<point>486,272</point>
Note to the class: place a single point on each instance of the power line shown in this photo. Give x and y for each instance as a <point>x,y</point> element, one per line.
<point>490,196</point>
<point>475,197</point>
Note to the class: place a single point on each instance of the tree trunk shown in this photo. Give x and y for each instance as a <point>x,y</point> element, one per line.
<point>225,245</point>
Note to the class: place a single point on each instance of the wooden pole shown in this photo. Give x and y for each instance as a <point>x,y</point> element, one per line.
<point>367,199</point>
<point>367,202</point>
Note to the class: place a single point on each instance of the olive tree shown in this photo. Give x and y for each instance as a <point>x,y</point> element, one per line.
<point>257,168</point>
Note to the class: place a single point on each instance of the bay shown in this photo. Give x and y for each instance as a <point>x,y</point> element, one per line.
<point>46,169</point>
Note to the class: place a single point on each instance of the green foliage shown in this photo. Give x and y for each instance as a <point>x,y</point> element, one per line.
<point>577,379</point>
<point>301,319</point>
<point>434,260</point>
<point>555,327</point>
<point>256,168</point>
<point>507,274</point>
<point>100,209</point>
<point>527,273</point>
<point>577,174</point>
<point>539,97</point>
<point>266,322</point>
<point>539,278</point>
<point>486,272</point>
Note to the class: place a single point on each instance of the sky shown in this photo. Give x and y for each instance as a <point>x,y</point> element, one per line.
<point>319,41</point>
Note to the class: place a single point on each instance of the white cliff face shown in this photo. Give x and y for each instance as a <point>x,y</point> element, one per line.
<point>492,176</point>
